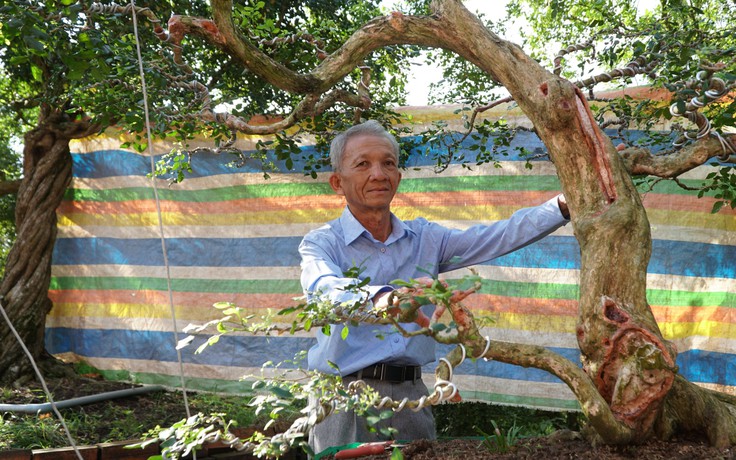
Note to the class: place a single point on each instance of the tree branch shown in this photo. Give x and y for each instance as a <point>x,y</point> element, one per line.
<point>594,406</point>
<point>642,161</point>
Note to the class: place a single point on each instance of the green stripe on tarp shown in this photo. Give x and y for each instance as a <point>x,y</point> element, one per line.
<point>235,387</point>
<point>661,297</point>
<point>521,401</point>
<point>408,185</point>
<point>178,285</point>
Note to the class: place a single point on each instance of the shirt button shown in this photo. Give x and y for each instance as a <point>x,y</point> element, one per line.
<point>383,249</point>
<point>396,340</point>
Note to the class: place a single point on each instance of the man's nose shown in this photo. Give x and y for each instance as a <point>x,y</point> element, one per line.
<point>378,172</point>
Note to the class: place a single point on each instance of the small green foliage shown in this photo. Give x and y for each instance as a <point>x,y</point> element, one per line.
<point>31,433</point>
<point>499,442</point>
<point>721,185</point>
<point>465,418</point>
<point>172,166</point>
<point>396,454</point>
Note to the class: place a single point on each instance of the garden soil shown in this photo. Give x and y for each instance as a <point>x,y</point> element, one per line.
<point>561,445</point>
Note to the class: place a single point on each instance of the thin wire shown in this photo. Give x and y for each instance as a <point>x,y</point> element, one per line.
<point>149,138</point>
<point>41,379</point>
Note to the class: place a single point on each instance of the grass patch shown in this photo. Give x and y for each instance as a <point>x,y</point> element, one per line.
<point>117,420</point>
<point>130,418</point>
<point>471,418</point>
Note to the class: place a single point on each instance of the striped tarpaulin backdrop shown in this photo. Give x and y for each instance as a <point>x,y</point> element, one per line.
<point>232,235</point>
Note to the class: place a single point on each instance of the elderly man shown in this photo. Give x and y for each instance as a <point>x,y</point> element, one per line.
<point>369,237</point>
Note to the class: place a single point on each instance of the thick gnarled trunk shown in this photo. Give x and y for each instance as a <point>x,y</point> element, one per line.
<point>47,170</point>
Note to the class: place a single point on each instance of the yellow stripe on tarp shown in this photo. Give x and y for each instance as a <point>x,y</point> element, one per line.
<point>123,311</point>
<point>181,219</point>
<point>701,220</point>
<point>673,331</point>
<point>534,322</point>
<point>724,221</point>
<point>486,213</point>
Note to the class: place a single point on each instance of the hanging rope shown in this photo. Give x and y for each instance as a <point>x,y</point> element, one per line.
<point>149,139</point>
<point>49,397</point>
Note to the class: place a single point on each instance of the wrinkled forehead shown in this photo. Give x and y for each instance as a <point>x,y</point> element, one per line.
<point>368,144</point>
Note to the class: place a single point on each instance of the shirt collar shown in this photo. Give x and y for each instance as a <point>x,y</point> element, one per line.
<point>352,229</point>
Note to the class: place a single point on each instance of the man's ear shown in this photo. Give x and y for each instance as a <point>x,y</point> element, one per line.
<point>336,183</point>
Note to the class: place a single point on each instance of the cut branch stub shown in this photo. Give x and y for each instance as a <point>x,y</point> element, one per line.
<point>637,372</point>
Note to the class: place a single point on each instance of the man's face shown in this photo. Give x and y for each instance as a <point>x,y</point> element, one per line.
<point>369,176</point>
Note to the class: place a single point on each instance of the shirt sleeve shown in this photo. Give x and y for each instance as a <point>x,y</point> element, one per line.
<point>322,277</point>
<point>481,243</point>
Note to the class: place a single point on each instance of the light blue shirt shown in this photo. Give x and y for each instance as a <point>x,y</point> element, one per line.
<point>414,249</point>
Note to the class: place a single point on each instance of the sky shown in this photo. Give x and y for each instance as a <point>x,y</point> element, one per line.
<point>418,87</point>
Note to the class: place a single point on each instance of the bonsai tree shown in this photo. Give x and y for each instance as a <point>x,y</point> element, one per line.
<point>629,387</point>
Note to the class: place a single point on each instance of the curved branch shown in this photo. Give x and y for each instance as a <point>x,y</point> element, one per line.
<point>593,405</point>
<point>642,161</point>
<point>392,29</point>
<point>311,105</point>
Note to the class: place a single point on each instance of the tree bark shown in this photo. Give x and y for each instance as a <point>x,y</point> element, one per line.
<point>47,169</point>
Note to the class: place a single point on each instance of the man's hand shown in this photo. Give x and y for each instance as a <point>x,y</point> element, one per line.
<point>562,203</point>
<point>389,302</point>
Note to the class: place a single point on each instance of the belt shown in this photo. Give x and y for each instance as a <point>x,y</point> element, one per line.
<point>389,373</point>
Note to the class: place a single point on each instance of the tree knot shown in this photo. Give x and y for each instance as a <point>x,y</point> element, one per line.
<point>637,369</point>
<point>396,20</point>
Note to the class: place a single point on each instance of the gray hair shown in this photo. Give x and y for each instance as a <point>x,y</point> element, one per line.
<point>369,128</point>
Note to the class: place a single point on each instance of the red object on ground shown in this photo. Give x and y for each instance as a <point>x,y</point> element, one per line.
<point>369,448</point>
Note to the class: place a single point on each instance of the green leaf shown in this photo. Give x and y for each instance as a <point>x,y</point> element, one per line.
<point>223,305</point>
<point>34,44</point>
<point>15,60</point>
<point>184,342</point>
<point>37,73</point>
<point>281,392</point>
<point>344,333</point>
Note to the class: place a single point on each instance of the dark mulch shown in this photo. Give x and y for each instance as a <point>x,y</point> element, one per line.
<point>563,447</point>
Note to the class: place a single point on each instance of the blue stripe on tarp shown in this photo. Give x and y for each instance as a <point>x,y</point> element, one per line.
<point>707,367</point>
<point>695,365</point>
<point>553,252</point>
<point>159,346</point>
<point>115,162</point>
<point>681,258</point>
<point>181,252</point>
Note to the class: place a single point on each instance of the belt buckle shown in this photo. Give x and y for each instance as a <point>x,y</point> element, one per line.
<point>393,374</point>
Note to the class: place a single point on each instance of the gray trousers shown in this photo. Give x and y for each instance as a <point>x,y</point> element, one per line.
<point>344,428</point>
